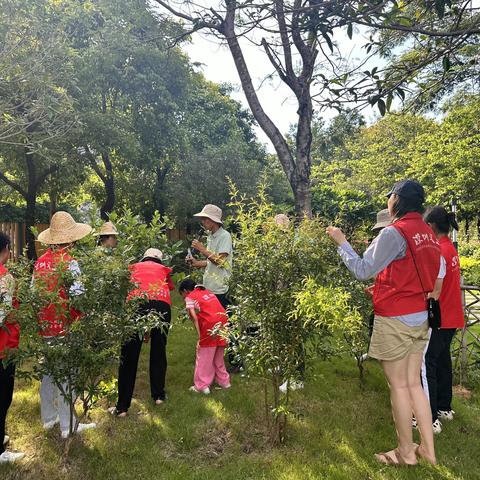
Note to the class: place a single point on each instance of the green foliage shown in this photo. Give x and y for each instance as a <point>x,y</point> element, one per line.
<point>277,271</point>
<point>470,270</point>
<point>343,207</point>
<point>136,236</point>
<point>79,360</point>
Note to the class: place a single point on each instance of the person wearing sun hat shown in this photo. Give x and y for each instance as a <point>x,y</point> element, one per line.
<point>152,285</point>
<point>218,253</point>
<point>54,317</point>
<point>107,235</point>
<point>384,219</point>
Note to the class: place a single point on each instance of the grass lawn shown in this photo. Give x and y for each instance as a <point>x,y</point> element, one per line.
<point>336,430</point>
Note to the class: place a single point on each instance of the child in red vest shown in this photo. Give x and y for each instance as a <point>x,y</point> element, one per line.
<point>54,317</point>
<point>152,283</point>
<point>9,335</point>
<point>207,314</point>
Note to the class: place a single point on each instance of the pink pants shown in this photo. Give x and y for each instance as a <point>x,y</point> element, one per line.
<point>210,367</point>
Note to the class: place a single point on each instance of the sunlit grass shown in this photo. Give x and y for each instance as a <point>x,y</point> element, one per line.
<point>336,427</point>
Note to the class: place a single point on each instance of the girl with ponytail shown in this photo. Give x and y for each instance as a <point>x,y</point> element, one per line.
<point>438,362</point>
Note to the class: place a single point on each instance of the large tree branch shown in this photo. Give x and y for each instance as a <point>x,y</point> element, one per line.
<point>270,129</point>
<point>287,51</point>
<point>197,22</point>
<point>13,185</point>
<point>93,163</point>
<point>43,176</point>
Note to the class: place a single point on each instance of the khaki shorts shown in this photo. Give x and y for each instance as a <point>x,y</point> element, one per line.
<point>393,340</point>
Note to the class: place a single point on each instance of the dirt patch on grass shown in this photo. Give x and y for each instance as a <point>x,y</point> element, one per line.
<point>462,392</point>
<point>215,440</point>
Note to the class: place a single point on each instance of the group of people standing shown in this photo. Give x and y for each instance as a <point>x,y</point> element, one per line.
<point>412,259</point>
<point>151,284</point>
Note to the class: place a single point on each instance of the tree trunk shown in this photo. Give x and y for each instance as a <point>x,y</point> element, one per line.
<point>158,194</point>
<point>30,212</point>
<point>31,199</point>
<point>109,183</point>
<point>53,202</point>
<point>297,172</point>
<point>302,191</point>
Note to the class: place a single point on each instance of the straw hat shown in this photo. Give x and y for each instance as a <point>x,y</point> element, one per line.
<point>153,253</point>
<point>108,228</point>
<point>383,219</point>
<point>63,229</point>
<point>212,212</point>
<point>282,220</point>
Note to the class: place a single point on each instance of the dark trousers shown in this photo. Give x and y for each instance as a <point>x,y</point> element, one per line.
<point>438,365</point>
<point>130,353</point>
<point>232,360</point>
<point>7,380</point>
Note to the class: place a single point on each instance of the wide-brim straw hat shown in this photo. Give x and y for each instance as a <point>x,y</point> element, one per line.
<point>212,212</point>
<point>383,219</point>
<point>108,228</point>
<point>63,229</point>
<point>153,253</point>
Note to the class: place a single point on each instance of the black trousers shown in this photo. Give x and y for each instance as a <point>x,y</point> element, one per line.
<point>130,353</point>
<point>7,380</point>
<point>438,365</point>
<point>232,358</point>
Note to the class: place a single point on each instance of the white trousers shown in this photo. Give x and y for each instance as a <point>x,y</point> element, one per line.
<point>53,404</point>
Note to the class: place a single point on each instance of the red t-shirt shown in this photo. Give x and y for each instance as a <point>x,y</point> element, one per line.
<point>9,330</point>
<point>451,297</point>
<point>210,314</point>
<point>54,317</point>
<point>152,281</point>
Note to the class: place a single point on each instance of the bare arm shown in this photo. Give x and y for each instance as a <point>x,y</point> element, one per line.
<point>193,317</point>
<point>437,289</point>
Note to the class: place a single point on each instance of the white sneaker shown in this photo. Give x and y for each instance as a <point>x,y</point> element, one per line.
<point>414,423</point>
<point>50,425</point>
<point>81,428</point>
<point>223,387</point>
<point>364,357</point>
<point>446,414</point>
<point>292,384</point>
<point>437,426</point>
<point>9,457</point>
<point>205,391</point>
<point>6,439</point>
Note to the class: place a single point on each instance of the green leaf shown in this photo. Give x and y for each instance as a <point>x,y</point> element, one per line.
<point>446,63</point>
<point>381,107</point>
<point>440,8</point>
<point>389,101</point>
<point>350,31</point>
<point>329,41</point>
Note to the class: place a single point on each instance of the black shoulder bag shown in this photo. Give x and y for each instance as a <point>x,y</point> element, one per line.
<point>433,306</point>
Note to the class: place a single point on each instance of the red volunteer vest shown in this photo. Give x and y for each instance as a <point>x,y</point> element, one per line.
<point>398,290</point>
<point>451,297</point>
<point>211,314</point>
<point>54,317</point>
<point>152,281</point>
<point>9,331</point>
